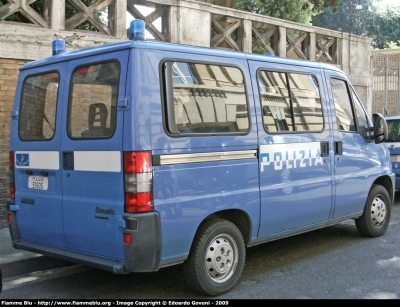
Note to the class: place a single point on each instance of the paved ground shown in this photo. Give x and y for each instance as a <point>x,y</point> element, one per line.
<point>330,263</point>
<point>15,262</point>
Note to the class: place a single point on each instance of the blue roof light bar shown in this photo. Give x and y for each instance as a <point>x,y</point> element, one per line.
<point>58,46</point>
<point>137,30</point>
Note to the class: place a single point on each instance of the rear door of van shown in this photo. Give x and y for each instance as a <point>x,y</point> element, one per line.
<point>35,142</point>
<point>91,154</point>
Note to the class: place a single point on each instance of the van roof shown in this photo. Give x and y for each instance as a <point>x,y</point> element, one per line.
<point>173,48</point>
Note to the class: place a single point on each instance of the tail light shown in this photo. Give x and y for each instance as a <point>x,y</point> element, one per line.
<point>127,238</point>
<point>138,182</point>
<point>12,180</point>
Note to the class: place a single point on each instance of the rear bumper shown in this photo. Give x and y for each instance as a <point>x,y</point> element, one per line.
<point>142,255</point>
<point>92,261</point>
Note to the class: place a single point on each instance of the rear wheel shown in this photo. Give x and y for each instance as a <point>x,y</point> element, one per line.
<point>376,217</point>
<point>216,259</point>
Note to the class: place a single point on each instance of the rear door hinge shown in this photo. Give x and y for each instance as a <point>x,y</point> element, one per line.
<point>123,103</point>
<point>121,222</point>
<point>14,114</point>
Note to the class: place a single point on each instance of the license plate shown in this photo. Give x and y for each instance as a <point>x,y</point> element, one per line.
<point>395,158</point>
<point>38,182</point>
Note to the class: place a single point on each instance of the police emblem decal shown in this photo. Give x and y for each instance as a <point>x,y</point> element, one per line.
<point>22,159</point>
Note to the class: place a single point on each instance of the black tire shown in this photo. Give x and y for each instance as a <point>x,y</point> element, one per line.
<point>216,258</point>
<point>376,216</point>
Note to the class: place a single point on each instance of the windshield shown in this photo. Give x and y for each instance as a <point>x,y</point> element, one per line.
<point>394,130</point>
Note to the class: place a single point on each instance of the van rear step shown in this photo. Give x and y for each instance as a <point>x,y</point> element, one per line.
<point>113,266</point>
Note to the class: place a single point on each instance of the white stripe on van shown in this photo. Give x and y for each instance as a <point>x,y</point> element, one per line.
<point>97,161</point>
<point>37,159</point>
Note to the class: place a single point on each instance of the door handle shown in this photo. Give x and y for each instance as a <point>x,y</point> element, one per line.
<point>338,148</point>
<point>68,160</point>
<point>324,149</point>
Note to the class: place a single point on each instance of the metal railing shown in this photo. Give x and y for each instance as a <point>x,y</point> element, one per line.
<point>386,83</point>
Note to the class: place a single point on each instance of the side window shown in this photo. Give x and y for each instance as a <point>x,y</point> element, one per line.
<point>93,101</point>
<point>290,102</point>
<point>347,120</point>
<point>364,124</point>
<point>344,111</point>
<point>37,119</point>
<point>204,99</point>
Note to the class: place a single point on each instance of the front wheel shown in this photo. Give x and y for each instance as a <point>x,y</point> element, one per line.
<point>216,259</point>
<point>376,216</point>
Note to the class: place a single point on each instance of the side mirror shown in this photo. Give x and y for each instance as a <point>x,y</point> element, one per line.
<point>380,128</point>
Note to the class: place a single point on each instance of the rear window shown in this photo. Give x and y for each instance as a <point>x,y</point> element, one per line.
<point>38,107</point>
<point>93,101</point>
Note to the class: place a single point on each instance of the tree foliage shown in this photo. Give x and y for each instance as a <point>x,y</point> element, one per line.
<point>293,10</point>
<point>316,6</point>
<point>381,26</point>
<point>348,18</point>
<point>319,6</point>
<point>385,29</point>
<point>285,9</point>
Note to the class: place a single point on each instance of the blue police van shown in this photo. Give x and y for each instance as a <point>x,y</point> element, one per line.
<point>393,142</point>
<point>138,155</point>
